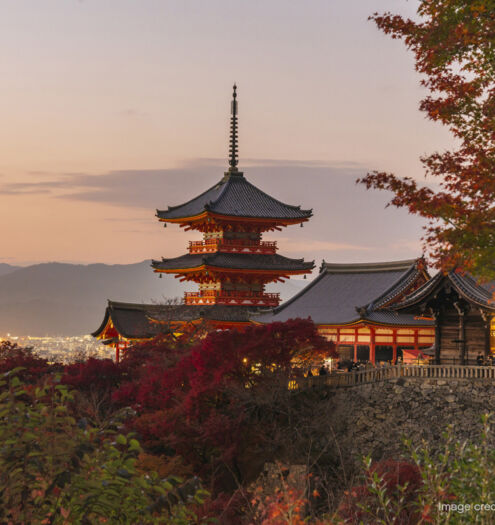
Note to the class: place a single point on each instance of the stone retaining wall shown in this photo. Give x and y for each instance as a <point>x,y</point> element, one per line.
<point>373,418</point>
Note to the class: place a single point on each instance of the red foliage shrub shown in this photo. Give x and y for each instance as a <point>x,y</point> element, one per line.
<point>163,348</point>
<point>198,401</point>
<point>34,367</point>
<point>397,474</point>
<point>251,357</point>
<point>399,479</point>
<point>205,398</point>
<point>97,374</point>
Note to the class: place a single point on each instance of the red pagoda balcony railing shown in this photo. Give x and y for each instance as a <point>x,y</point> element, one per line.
<point>232,246</point>
<point>232,298</point>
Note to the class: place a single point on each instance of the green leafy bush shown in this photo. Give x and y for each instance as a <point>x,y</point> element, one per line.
<point>456,485</point>
<point>56,470</point>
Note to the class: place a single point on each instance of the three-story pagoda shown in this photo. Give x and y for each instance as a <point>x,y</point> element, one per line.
<point>232,264</point>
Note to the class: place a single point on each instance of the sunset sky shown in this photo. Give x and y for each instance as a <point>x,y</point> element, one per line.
<point>113,108</point>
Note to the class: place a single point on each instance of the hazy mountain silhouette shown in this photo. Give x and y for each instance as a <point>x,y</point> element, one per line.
<point>7,268</point>
<point>70,299</point>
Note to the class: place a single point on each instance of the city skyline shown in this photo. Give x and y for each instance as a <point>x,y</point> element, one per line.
<point>113,110</point>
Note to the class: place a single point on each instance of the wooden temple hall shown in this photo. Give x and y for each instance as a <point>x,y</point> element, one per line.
<point>351,304</point>
<point>373,311</point>
<point>464,314</point>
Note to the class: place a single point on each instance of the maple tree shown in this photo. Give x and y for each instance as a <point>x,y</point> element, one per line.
<point>453,42</point>
<point>93,374</point>
<point>218,403</point>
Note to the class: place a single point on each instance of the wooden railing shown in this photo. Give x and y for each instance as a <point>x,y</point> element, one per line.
<point>374,375</point>
<point>232,297</point>
<point>232,246</point>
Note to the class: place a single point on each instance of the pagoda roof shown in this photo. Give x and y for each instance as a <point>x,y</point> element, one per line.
<point>349,293</point>
<point>235,196</point>
<point>467,287</point>
<point>237,261</point>
<point>143,321</point>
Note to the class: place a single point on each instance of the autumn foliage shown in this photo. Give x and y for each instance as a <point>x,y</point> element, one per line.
<point>388,486</point>
<point>214,403</point>
<point>54,469</point>
<point>454,50</point>
<point>93,374</point>
<point>32,367</point>
<point>189,422</point>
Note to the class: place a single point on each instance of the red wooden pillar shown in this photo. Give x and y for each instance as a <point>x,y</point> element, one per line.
<point>372,345</point>
<point>117,352</point>
<point>355,344</point>
<point>416,339</point>
<point>394,347</point>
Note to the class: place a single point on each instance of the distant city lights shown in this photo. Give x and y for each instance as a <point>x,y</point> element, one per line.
<point>62,349</point>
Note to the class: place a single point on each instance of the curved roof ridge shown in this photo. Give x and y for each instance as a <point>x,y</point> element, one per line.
<point>368,267</point>
<point>464,284</point>
<point>472,291</point>
<point>294,207</point>
<point>138,313</point>
<point>225,183</point>
<point>214,187</point>
<point>397,287</point>
<point>235,196</point>
<point>129,306</point>
<point>103,324</point>
<point>418,294</point>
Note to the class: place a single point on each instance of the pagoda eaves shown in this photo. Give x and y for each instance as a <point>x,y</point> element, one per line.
<point>232,264</point>
<point>234,200</point>
<point>234,261</point>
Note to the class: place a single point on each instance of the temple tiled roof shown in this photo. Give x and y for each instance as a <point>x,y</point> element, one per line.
<point>238,261</point>
<point>472,291</point>
<point>142,321</point>
<point>130,320</point>
<point>236,197</point>
<point>403,283</point>
<point>465,285</point>
<point>395,318</point>
<point>347,293</point>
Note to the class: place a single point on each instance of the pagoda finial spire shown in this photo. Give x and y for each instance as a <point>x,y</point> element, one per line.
<point>233,148</point>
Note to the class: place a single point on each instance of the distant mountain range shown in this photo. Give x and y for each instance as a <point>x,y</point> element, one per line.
<point>7,268</point>
<point>70,299</point>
